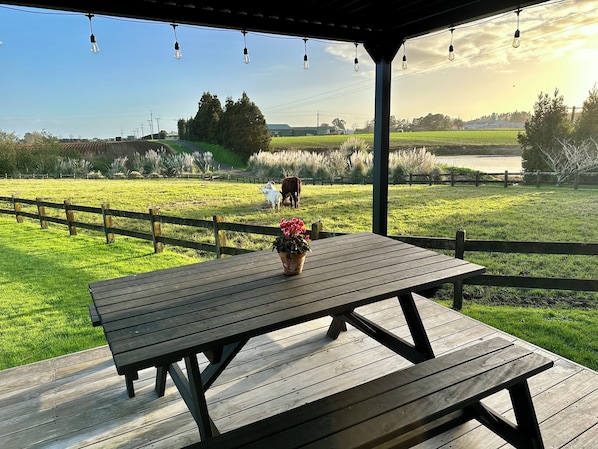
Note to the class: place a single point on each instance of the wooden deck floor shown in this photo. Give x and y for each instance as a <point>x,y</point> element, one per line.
<point>79,401</point>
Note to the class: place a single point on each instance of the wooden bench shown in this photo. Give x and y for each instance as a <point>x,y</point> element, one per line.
<point>408,406</point>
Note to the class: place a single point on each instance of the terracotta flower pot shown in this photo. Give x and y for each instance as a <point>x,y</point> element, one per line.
<point>294,265</point>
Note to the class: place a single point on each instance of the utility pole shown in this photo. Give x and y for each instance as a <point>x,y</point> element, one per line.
<point>142,133</point>
<point>158,122</point>
<point>151,122</point>
<point>151,125</point>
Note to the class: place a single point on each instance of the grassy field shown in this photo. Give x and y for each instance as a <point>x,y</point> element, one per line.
<point>44,273</point>
<point>446,139</point>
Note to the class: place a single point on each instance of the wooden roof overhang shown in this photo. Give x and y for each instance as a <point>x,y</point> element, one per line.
<point>380,25</point>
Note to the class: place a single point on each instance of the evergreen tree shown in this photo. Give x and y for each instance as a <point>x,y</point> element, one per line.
<point>205,124</point>
<point>549,124</point>
<point>586,126</point>
<point>243,128</point>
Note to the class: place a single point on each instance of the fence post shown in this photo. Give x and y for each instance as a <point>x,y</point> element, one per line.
<point>576,181</point>
<point>156,229</point>
<point>316,228</point>
<point>107,223</point>
<point>537,178</point>
<point>41,212</point>
<point>410,178</point>
<point>219,235</point>
<point>17,207</point>
<point>477,179</point>
<point>459,254</point>
<point>506,178</point>
<point>452,179</point>
<point>70,217</point>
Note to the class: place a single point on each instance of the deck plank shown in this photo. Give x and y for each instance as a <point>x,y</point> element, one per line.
<point>79,401</point>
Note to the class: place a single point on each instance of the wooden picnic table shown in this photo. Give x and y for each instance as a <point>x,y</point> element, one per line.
<point>215,307</point>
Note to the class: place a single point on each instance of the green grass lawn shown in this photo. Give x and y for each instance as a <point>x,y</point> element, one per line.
<point>460,138</point>
<point>44,273</point>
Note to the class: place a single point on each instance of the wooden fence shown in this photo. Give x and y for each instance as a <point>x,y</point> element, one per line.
<point>505,178</point>
<point>218,229</point>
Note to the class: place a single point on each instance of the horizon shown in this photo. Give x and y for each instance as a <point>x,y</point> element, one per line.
<point>52,82</point>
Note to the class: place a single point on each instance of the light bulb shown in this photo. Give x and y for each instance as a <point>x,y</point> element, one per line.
<point>305,61</point>
<point>516,39</point>
<point>356,65</point>
<point>404,62</point>
<point>451,53</point>
<point>94,45</point>
<point>245,52</point>
<point>177,51</point>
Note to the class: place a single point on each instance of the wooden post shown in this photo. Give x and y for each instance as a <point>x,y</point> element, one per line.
<point>410,178</point>
<point>156,229</point>
<point>452,179</point>
<point>506,178</point>
<point>459,254</point>
<point>316,228</point>
<point>107,223</point>
<point>18,208</point>
<point>477,179</point>
<point>41,212</point>
<point>576,181</point>
<point>219,235</point>
<point>70,216</point>
<point>537,178</point>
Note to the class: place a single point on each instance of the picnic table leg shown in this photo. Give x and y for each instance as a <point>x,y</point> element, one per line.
<point>336,327</point>
<point>414,321</point>
<point>129,378</point>
<point>161,380</point>
<point>193,393</point>
<point>527,422</point>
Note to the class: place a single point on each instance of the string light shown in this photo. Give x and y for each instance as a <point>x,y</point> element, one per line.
<point>356,61</point>
<point>516,37</point>
<point>305,61</point>
<point>451,55</point>
<point>245,52</point>
<point>177,48</point>
<point>404,56</point>
<point>94,45</point>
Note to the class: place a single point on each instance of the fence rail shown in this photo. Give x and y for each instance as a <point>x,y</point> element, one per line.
<point>505,178</point>
<point>218,228</point>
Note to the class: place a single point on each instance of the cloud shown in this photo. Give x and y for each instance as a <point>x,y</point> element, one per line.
<point>549,32</point>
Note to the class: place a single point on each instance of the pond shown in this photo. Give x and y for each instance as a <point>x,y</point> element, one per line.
<point>486,164</point>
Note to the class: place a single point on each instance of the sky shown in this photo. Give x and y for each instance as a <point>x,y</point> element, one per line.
<point>51,82</point>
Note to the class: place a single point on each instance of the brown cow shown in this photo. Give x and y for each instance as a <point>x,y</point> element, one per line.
<point>291,187</point>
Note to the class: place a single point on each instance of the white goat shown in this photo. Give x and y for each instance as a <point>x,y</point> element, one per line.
<point>273,195</point>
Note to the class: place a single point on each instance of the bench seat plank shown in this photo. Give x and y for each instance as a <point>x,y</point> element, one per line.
<point>370,414</point>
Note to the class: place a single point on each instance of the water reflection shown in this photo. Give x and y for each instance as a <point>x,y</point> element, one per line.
<point>487,164</point>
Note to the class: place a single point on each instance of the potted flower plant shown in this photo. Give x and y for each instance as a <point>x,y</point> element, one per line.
<point>292,245</point>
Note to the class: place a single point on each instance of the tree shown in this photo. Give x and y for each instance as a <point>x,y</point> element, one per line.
<point>339,123</point>
<point>243,128</point>
<point>548,124</point>
<point>574,158</point>
<point>205,124</point>
<point>586,126</point>
<point>8,152</point>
